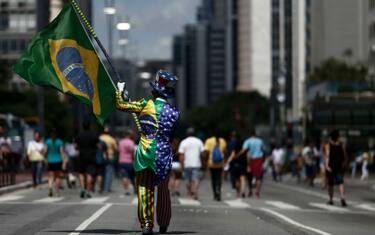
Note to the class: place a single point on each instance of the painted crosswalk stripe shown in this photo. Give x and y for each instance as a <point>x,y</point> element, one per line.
<point>282,205</point>
<point>238,203</point>
<point>328,207</point>
<point>135,201</point>
<point>49,200</point>
<point>367,207</point>
<point>188,202</point>
<point>95,200</point>
<point>10,198</point>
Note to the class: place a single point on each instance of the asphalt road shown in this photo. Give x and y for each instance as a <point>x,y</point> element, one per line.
<point>284,208</point>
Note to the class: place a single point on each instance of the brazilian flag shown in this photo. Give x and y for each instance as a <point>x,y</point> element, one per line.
<point>63,56</point>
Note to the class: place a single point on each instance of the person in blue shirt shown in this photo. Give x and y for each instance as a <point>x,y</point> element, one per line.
<point>254,147</point>
<point>55,159</point>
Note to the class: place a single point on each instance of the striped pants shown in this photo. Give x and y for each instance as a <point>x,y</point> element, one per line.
<point>145,181</point>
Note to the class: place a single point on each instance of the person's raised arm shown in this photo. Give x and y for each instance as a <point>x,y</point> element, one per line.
<point>128,106</point>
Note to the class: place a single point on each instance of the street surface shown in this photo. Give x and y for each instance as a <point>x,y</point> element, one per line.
<point>284,208</point>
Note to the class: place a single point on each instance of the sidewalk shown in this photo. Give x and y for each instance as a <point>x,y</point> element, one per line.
<point>23,180</point>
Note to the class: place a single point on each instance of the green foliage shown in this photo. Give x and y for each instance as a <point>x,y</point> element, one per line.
<point>335,70</point>
<point>24,104</point>
<point>233,111</point>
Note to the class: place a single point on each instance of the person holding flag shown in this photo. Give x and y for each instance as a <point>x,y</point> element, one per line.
<point>153,157</point>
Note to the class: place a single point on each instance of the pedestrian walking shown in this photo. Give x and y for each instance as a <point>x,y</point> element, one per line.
<point>215,150</point>
<point>87,145</point>
<point>237,167</point>
<point>126,154</point>
<point>335,155</point>
<point>255,149</point>
<point>55,158</point>
<point>365,163</point>
<point>111,143</point>
<point>35,150</point>
<point>278,160</point>
<point>310,157</point>
<point>176,174</point>
<point>100,164</point>
<point>190,150</point>
<point>232,143</point>
<point>153,157</point>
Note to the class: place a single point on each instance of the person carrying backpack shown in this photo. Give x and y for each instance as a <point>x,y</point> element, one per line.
<point>215,148</point>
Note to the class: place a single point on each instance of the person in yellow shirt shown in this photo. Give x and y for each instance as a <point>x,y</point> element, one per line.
<point>215,150</point>
<point>35,151</point>
<point>111,151</point>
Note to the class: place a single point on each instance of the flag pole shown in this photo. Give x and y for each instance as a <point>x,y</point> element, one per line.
<point>90,29</point>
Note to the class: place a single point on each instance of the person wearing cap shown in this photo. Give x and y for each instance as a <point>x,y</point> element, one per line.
<point>153,157</point>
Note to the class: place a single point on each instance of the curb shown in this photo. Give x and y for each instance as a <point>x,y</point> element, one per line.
<point>19,186</point>
<point>12,188</point>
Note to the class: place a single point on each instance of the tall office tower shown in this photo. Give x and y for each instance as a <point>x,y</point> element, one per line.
<point>342,29</point>
<point>288,37</point>
<point>254,46</point>
<point>200,56</point>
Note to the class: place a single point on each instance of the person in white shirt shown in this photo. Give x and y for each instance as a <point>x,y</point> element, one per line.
<point>35,154</point>
<point>190,151</point>
<point>278,158</point>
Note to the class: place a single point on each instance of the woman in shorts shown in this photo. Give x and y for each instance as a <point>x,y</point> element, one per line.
<point>55,153</point>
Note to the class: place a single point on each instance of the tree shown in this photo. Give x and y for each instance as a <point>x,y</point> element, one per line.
<point>335,70</point>
<point>233,111</point>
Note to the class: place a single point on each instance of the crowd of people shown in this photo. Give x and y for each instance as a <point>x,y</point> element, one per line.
<point>91,158</point>
<point>94,159</point>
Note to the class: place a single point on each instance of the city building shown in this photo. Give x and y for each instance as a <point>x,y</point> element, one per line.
<point>288,69</point>
<point>254,46</point>
<point>342,29</point>
<point>203,55</point>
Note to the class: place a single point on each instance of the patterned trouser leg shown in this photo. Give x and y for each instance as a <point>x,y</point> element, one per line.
<point>145,187</point>
<point>163,208</point>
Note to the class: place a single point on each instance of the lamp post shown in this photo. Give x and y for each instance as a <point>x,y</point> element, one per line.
<point>123,28</point>
<point>109,10</point>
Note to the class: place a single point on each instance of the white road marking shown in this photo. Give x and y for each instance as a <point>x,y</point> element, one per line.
<point>48,200</point>
<point>92,218</point>
<point>238,203</point>
<point>283,205</point>
<point>10,198</point>
<point>188,202</point>
<point>311,192</point>
<point>328,207</point>
<point>135,201</point>
<point>95,200</point>
<point>367,207</point>
<point>293,222</point>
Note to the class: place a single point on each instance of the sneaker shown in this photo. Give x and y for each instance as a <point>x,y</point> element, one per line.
<point>82,194</point>
<point>330,202</point>
<point>178,193</point>
<point>163,229</point>
<point>88,195</point>
<point>250,194</point>
<point>50,192</point>
<point>343,202</point>
<point>127,194</point>
<point>147,231</point>
<point>243,195</point>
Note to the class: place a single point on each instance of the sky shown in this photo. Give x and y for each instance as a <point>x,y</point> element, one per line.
<point>153,24</point>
